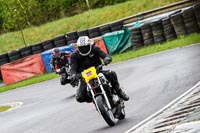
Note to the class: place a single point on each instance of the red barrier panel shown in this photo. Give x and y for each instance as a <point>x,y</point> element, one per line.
<point>99,42</point>
<point>22,69</point>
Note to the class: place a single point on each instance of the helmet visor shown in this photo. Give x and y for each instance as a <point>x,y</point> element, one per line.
<point>84,50</point>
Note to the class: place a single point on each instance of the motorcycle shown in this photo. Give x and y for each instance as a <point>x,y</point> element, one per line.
<point>105,98</point>
<point>64,73</point>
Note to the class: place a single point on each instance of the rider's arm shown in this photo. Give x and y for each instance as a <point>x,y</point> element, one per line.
<point>66,57</point>
<point>52,65</point>
<point>74,63</point>
<point>106,57</point>
<point>98,51</point>
<point>66,54</point>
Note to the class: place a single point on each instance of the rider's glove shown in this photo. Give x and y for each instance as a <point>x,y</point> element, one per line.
<point>57,71</point>
<point>107,60</point>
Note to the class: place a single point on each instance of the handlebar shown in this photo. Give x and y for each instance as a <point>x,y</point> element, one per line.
<point>99,68</point>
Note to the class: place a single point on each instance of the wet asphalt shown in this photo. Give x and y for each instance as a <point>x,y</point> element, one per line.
<point>151,82</point>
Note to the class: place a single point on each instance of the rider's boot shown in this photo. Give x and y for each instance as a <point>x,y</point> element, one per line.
<point>122,94</point>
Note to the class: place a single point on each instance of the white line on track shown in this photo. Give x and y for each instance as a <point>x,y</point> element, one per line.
<point>131,130</point>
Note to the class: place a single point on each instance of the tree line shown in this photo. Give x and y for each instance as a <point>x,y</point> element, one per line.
<point>16,14</point>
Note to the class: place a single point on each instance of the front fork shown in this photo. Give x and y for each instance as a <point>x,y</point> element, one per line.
<point>104,94</point>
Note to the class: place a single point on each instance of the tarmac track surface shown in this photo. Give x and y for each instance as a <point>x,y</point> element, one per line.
<point>151,82</point>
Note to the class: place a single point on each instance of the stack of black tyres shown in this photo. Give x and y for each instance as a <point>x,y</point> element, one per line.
<point>197,13</point>
<point>14,55</point>
<point>178,23</point>
<point>37,48</point>
<point>168,28</point>
<point>72,37</point>
<point>25,51</point>
<point>105,29</point>
<point>147,34</point>
<point>94,32</point>
<point>49,44</point>
<point>115,26</point>
<point>136,37</point>
<point>157,29</point>
<point>190,20</point>
<point>4,59</point>
<point>60,41</point>
<point>83,33</point>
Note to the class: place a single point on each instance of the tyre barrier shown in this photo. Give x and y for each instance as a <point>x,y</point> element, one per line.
<point>105,29</point>
<point>178,23</point>
<point>181,22</point>
<point>49,44</point>
<point>197,13</point>
<point>37,48</point>
<point>116,26</point>
<point>71,37</point>
<point>83,33</point>
<point>4,59</point>
<point>60,41</point>
<point>25,51</point>
<point>147,34</point>
<point>14,55</point>
<point>190,20</point>
<point>168,28</point>
<point>94,32</point>
<point>157,30</point>
<point>136,38</point>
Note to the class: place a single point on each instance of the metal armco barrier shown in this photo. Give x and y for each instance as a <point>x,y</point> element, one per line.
<point>158,11</point>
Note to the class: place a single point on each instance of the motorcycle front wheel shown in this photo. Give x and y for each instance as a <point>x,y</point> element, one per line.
<point>105,111</point>
<point>122,114</point>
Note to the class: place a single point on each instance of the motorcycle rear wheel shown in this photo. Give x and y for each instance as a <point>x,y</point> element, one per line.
<point>105,111</point>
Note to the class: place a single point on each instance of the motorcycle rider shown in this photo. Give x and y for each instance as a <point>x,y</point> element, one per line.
<point>59,60</point>
<point>87,55</point>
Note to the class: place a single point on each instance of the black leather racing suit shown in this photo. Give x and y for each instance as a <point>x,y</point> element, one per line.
<point>79,63</point>
<point>57,62</point>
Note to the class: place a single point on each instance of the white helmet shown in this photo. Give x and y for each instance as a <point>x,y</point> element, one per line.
<point>84,45</point>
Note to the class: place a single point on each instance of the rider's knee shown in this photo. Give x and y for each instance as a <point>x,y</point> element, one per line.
<point>113,74</point>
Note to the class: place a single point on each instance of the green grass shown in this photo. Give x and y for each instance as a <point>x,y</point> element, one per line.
<point>4,108</point>
<point>88,19</point>
<point>30,81</point>
<point>178,43</point>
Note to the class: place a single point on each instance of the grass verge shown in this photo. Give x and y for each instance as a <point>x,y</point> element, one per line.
<point>37,79</point>
<point>178,43</point>
<point>4,108</point>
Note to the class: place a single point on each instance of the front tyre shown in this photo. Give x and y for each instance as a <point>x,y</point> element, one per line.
<point>105,111</point>
<point>122,114</point>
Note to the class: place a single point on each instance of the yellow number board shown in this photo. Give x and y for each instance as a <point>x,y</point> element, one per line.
<point>89,74</point>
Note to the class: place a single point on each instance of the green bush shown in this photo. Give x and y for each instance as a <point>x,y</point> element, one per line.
<point>16,14</point>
